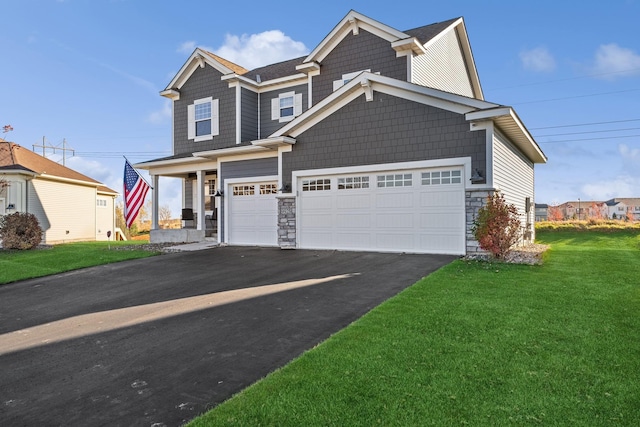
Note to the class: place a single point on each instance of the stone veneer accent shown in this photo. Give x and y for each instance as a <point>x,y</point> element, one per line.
<point>287,221</point>
<point>474,200</point>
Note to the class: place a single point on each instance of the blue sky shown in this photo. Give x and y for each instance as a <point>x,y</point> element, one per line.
<point>89,72</point>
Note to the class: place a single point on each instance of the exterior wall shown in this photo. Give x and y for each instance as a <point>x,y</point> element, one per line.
<point>14,194</point>
<point>287,222</point>
<point>513,176</point>
<point>385,130</point>
<point>249,118</point>
<point>205,82</point>
<point>105,218</point>
<point>268,126</point>
<point>243,169</point>
<point>443,67</point>
<point>62,207</point>
<point>364,51</point>
<point>474,200</point>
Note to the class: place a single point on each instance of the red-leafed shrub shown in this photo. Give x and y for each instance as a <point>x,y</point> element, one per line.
<point>497,227</point>
<point>20,230</point>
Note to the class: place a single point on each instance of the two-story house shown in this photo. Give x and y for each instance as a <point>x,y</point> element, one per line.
<point>378,140</point>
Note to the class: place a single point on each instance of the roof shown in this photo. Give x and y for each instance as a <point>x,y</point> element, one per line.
<point>275,71</point>
<point>16,157</point>
<point>427,32</point>
<point>230,65</point>
<point>629,201</point>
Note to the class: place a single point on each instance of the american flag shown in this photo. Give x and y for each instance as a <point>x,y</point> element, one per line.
<point>135,191</point>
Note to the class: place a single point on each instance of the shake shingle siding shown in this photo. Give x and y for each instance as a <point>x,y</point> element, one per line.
<point>205,82</point>
<point>385,130</point>
<point>249,121</point>
<point>364,51</point>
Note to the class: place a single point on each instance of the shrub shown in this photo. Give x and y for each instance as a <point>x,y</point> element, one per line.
<point>20,230</point>
<point>497,227</point>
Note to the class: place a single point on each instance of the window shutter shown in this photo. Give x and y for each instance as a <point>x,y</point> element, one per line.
<point>191,118</point>
<point>297,102</point>
<point>275,108</point>
<point>215,117</point>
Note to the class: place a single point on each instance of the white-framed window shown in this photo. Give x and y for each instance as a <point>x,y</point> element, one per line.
<point>351,182</point>
<point>203,117</point>
<point>286,106</point>
<point>346,78</point>
<point>210,187</point>
<point>101,203</point>
<point>268,189</point>
<point>244,190</point>
<point>442,177</point>
<point>395,180</point>
<point>316,184</point>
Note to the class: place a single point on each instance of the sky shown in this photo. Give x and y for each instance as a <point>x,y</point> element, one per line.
<point>86,75</point>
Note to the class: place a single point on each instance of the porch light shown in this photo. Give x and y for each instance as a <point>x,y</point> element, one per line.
<point>219,193</point>
<point>476,176</point>
<point>286,188</point>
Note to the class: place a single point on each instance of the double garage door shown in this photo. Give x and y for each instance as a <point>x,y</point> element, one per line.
<point>418,211</point>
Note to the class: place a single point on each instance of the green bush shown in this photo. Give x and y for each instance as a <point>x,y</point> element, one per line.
<point>20,230</point>
<point>497,227</point>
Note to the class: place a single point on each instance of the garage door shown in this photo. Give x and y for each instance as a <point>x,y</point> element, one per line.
<point>419,211</point>
<point>253,213</point>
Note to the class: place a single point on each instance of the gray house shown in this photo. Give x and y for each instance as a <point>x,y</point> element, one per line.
<point>378,140</point>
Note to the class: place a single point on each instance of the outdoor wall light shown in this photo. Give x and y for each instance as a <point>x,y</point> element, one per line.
<point>476,176</point>
<point>286,188</point>
<point>219,193</point>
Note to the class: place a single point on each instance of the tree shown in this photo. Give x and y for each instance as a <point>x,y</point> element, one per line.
<point>554,213</point>
<point>497,227</point>
<point>595,212</point>
<point>121,223</point>
<point>164,215</point>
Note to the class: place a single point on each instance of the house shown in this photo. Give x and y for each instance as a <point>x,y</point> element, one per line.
<point>69,205</point>
<point>542,212</point>
<point>583,209</point>
<point>377,140</point>
<point>623,208</point>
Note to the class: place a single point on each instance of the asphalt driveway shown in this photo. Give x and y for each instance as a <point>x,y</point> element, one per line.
<point>157,341</point>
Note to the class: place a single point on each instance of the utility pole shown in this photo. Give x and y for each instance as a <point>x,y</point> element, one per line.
<point>64,149</point>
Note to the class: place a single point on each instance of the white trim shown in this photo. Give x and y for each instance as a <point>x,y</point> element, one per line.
<point>267,85</point>
<point>239,114</point>
<point>197,59</point>
<point>489,128</point>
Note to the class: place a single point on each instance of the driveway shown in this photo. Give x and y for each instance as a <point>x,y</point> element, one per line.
<point>160,340</point>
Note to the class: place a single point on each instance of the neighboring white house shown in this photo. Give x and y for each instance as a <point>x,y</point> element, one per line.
<point>70,206</point>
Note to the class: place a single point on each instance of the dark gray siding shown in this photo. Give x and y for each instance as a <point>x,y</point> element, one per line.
<point>268,126</point>
<point>188,194</point>
<point>249,119</point>
<point>205,82</point>
<point>385,130</point>
<point>244,169</point>
<point>356,53</point>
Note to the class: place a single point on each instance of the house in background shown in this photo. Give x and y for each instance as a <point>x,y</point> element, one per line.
<point>623,208</point>
<point>378,140</point>
<point>542,212</point>
<point>69,205</point>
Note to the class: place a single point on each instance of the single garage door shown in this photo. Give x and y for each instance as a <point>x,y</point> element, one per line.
<point>253,214</point>
<point>419,211</point>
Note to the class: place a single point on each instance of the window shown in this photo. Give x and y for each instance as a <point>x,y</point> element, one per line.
<point>101,203</point>
<point>203,119</point>
<point>353,182</point>
<point>316,184</point>
<point>286,106</point>
<point>346,78</point>
<point>441,177</point>
<point>210,187</point>
<point>395,180</point>
<point>243,190</point>
<point>268,189</point>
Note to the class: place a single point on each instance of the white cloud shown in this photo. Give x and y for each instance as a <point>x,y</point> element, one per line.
<point>256,50</point>
<point>90,168</point>
<point>612,61</point>
<point>187,47</point>
<point>538,59</point>
<point>621,186</point>
<point>162,115</point>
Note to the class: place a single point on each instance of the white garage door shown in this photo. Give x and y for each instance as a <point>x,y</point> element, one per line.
<point>253,214</point>
<point>420,211</point>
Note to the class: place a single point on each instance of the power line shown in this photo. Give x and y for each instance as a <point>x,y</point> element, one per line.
<point>586,124</point>
<point>630,70</point>
<point>588,139</point>
<point>587,132</point>
<point>575,97</point>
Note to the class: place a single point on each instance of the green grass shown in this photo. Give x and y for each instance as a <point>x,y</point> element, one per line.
<point>19,265</point>
<point>477,344</point>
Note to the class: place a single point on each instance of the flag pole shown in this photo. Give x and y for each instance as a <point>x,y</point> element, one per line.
<point>127,160</point>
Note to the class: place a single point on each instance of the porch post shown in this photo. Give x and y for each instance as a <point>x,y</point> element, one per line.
<point>200,208</point>
<point>155,181</point>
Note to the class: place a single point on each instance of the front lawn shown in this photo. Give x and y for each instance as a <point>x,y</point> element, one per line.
<point>477,344</point>
<point>19,265</point>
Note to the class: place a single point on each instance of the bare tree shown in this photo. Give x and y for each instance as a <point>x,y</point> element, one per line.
<point>164,215</point>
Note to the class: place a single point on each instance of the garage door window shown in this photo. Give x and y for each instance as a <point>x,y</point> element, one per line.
<point>268,189</point>
<point>351,182</point>
<point>395,180</point>
<point>316,184</point>
<point>441,177</point>
<point>243,190</point>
